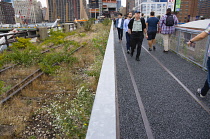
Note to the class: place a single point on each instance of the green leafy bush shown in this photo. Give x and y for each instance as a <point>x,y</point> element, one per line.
<point>27,56</point>
<point>22,43</point>
<point>106,22</point>
<point>48,61</point>
<point>1,87</point>
<point>88,24</point>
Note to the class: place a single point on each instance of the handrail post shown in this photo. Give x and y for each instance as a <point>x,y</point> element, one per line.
<point>6,40</point>
<point>25,34</point>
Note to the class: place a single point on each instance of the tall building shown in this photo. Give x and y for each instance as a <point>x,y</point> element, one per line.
<point>109,8</point>
<point>66,10</point>
<point>28,11</point>
<point>94,8</point>
<point>200,10</point>
<point>186,13</point>
<point>7,14</point>
<point>123,10</point>
<point>203,9</point>
<point>45,14</point>
<point>10,1</point>
<point>118,5</point>
<point>130,5</point>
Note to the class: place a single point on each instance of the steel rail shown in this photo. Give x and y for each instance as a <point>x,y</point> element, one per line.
<point>28,80</point>
<point>9,67</point>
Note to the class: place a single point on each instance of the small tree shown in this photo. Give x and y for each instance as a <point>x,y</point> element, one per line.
<point>88,24</point>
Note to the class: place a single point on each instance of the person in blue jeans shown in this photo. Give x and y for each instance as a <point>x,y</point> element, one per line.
<point>152,26</point>
<point>125,27</point>
<point>202,92</point>
<point>119,26</point>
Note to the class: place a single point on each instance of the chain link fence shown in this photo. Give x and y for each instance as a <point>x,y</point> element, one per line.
<point>196,53</point>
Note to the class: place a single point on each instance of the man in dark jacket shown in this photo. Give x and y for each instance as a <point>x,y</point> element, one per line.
<point>137,28</point>
<point>119,26</point>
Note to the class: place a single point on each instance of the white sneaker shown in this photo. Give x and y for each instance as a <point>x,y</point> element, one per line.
<point>199,92</point>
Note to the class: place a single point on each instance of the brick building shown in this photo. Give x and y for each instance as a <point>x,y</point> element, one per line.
<point>191,10</point>
<point>203,9</point>
<point>7,13</point>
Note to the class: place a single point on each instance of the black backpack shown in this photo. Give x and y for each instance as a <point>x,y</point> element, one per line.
<point>170,20</point>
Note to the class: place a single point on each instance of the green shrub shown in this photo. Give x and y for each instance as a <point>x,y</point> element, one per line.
<point>22,43</point>
<point>28,56</point>
<point>48,61</point>
<point>1,87</point>
<point>106,22</point>
<point>88,24</point>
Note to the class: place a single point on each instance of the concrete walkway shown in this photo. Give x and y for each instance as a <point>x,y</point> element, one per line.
<point>157,96</point>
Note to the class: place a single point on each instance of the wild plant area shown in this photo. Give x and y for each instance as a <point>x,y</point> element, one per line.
<point>59,103</point>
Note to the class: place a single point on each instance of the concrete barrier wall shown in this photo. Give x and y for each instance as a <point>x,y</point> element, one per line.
<point>102,123</point>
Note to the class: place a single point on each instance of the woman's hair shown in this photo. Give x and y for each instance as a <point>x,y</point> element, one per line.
<point>168,11</point>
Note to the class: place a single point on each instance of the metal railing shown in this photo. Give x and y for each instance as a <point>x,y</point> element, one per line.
<point>30,33</point>
<point>196,53</point>
<point>18,34</point>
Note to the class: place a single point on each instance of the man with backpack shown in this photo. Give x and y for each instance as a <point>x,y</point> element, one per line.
<point>167,27</point>
<point>137,28</point>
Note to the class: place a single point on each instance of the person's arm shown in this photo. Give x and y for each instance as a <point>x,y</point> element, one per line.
<point>116,23</point>
<point>161,24</point>
<point>144,26</point>
<point>198,37</point>
<point>130,25</point>
<point>147,25</point>
<point>176,21</point>
<point>146,29</point>
<point>158,26</point>
<point>124,25</point>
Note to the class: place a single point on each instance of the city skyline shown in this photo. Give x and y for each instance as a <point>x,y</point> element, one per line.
<point>44,4</point>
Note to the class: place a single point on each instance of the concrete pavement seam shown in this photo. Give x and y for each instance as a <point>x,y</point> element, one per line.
<point>141,106</point>
<point>180,83</point>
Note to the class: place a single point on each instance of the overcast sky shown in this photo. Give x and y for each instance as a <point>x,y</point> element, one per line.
<point>45,5</point>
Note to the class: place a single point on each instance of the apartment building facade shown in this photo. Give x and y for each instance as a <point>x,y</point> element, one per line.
<point>93,8</point>
<point>28,11</point>
<point>191,10</point>
<point>118,4</point>
<point>130,5</point>
<point>7,13</point>
<point>146,6</point>
<point>109,8</point>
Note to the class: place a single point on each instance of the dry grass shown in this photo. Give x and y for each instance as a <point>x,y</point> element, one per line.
<point>16,113</point>
<point>66,81</point>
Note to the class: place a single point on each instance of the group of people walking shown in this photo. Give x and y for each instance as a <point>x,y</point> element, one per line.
<point>136,28</point>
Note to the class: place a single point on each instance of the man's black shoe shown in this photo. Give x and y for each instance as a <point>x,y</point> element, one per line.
<point>131,54</point>
<point>154,47</point>
<point>137,59</point>
<point>165,51</point>
<point>149,49</point>
<point>128,51</point>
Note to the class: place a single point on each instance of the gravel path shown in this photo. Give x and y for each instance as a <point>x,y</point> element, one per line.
<point>171,111</point>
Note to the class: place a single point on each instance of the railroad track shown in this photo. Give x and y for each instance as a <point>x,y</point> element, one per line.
<point>12,66</point>
<point>25,82</point>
